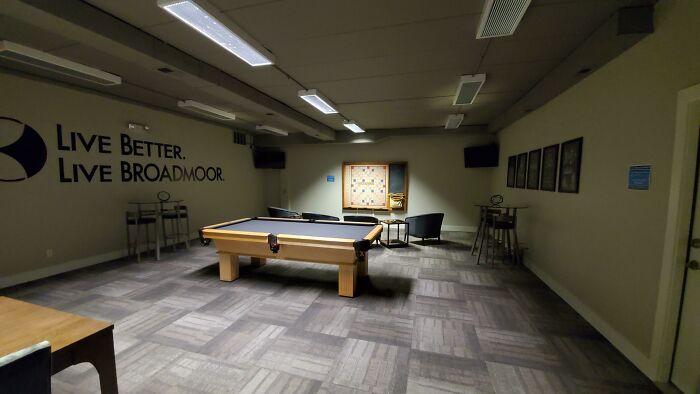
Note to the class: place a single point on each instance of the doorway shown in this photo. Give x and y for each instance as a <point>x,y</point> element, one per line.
<point>685,370</point>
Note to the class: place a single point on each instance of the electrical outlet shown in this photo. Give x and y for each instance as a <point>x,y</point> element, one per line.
<point>49,253</point>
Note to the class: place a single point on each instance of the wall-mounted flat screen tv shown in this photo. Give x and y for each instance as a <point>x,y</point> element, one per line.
<point>481,156</point>
<point>268,159</point>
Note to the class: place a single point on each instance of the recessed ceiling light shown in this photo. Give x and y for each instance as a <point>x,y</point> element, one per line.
<point>207,110</point>
<point>165,70</point>
<point>271,129</point>
<point>46,61</point>
<point>238,42</point>
<point>313,97</point>
<point>353,126</point>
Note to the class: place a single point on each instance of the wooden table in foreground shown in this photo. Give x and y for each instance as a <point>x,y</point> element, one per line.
<point>74,339</point>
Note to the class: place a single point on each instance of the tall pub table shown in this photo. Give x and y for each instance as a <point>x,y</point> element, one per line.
<point>506,210</point>
<point>156,209</point>
<point>74,339</point>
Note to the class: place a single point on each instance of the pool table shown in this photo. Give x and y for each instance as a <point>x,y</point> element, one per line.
<point>344,244</point>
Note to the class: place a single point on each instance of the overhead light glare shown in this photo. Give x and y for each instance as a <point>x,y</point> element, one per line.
<point>313,97</point>
<point>353,126</point>
<point>271,129</point>
<point>46,61</point>
<point>199,19</point>
<point>206,110</point>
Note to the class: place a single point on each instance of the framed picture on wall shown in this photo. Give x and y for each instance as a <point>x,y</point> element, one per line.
<point>521,171</point>
<point>533,169</point>
<point>570,165</point>
<point>512,164</point>
<point>550,160</point>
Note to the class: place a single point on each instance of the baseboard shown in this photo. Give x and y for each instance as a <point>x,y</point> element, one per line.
<point>467,229</point>
<point>67,266</point>
<point>56,269</point>
<point>637,357</point>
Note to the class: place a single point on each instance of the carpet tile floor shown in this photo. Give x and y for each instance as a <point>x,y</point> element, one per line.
<point>428,320</point>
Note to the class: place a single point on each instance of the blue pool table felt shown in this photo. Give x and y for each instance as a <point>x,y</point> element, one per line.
<point>326,230</point>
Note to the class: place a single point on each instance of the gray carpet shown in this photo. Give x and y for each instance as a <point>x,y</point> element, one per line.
<point>428,320</point>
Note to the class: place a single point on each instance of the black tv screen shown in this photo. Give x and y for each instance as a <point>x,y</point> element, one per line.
<point>481,156</point>
<point>268,159</point>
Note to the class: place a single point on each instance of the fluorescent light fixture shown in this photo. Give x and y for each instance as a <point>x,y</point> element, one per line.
<point>453,121</point>
<point>207,110</point>
<point>271,129</point>
<point>468,87</point>
<point>313,97</point>
<point>501,17</point>
<point>229,36</point>
<point>353,126</point>
<point>45,61</point>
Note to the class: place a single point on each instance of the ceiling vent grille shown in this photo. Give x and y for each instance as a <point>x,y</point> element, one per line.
<point>240,138</point>
<point>45,61</point>
<point>501,17</point>
<point>454,121</point>
<point>468,88</point>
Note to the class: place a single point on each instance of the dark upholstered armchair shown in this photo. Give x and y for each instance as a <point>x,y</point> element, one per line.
<point>425,226</point>
<point>275,212</point>
<point>319,216</point>
<point>27,370</point>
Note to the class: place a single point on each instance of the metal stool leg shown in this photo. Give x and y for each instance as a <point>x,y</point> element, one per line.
<point>148,239</point>
<point>187,236</point>
<point>137,246</point>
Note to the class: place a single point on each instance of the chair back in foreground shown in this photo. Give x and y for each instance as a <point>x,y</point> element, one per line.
<point>425,226</point>
<point>27,370</point>
<point>318,216</point>
<point>275,212</point>
<point>360,218</point>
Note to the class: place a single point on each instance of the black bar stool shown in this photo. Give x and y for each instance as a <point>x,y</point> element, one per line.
<point>486,216</point>
<point>139,218</point>
<point>175,216</point>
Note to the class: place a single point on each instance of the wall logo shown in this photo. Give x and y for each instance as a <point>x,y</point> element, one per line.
<point>28,151</point>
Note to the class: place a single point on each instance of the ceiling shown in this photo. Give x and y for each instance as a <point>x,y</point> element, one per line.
<point>391,64</point>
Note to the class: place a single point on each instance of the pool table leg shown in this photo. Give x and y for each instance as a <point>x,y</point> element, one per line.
<point>362,266</point>
<point>347,279</point>
<point>258,261</point>
<point>228,266</point>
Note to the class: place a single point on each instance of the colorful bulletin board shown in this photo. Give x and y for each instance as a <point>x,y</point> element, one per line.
<point>374,185</point>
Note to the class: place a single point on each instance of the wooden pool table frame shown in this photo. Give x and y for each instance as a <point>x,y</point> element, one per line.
<point>231,244</point>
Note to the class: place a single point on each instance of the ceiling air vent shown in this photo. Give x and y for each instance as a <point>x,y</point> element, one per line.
<point>501,17</point>
<point>453,121</point>
<point>468,88</point>
<point>36,58</point>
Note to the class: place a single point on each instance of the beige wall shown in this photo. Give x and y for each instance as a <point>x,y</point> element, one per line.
<point>601,249</point>
<point>438,181</point>
<point>83,222</point>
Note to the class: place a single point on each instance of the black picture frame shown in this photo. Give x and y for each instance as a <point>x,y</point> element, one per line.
<point>570,165</point>
<point>534,157</point>
<point>521,171</point>
<point>550,162</point>
<point>512,165</point>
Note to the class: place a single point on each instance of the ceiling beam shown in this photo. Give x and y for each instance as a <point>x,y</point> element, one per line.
<point>607,42</point>
<point>368,137</point>
<point>108,27</point>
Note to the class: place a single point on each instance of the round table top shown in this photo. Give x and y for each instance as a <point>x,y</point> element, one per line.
<point>501,206</point>
<point>156,202</point>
